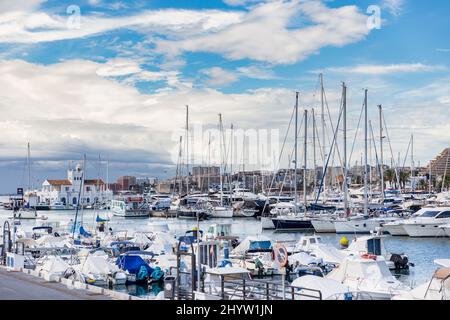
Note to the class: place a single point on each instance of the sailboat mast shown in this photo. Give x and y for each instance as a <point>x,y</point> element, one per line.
<point>187,149</point>
<point>305,158</point>
<point>221,160</point>
<point>209,161</point>
<point>366,202</point>
<point>380,110</point>
<point>322,93</point>
<point>344,110</point>
<point>29,166</point>
<point>412,164</point>
<point>314,149</point>
<point>295,151</point>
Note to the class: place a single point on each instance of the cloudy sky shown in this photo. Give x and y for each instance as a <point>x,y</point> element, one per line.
<point>112,78</point>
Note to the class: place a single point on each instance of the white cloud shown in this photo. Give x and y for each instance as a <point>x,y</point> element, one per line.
<point>256,72</point>
<point>218,76</point>
<point>395,7</point>
<point>374,69</point>
<point>32,27</point>
<point>264,32</point>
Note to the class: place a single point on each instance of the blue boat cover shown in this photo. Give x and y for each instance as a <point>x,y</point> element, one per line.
<point>98,219</point>
<point>260,245</point>
<point>84,232</point>
<point>133,264</point>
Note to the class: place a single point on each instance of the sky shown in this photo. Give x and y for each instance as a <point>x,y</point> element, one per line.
<point>110,79</point>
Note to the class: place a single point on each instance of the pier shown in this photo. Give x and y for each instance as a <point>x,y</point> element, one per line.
<point>20,286</point>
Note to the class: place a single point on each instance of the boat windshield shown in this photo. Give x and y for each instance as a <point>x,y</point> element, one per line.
<point>429,214</point>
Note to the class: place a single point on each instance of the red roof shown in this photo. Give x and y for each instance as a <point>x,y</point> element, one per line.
<point>59,182</point>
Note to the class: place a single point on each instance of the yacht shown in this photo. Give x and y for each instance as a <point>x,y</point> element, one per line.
<point>360,224</point>
<point>429,223</point>
<point>446,229</point>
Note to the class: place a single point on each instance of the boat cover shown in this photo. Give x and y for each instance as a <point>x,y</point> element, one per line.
<point>133,264</point>
<point>329,288</point>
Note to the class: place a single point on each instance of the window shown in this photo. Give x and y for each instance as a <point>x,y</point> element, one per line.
<point>443,215</point>
<point>88,189</point>
<point>429,214</point>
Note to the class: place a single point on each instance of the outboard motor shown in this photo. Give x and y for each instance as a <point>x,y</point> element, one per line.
<point>400,262</point>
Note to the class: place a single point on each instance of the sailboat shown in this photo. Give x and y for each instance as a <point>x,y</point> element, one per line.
<point>28,209</point>
<point>294,220</point>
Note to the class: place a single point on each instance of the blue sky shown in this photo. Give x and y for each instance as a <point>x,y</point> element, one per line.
<point>116,84</point>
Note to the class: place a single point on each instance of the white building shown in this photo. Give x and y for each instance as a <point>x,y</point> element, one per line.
<point>67,190</point>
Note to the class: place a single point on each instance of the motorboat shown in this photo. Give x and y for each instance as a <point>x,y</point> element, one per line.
<point>130,206</point>
<point>360,224</point>
<point>369,275</point>
<point>310,287</point>
<point>374,245</point>
<point>57,206</point>
<point>429,223</point>
<point>314,247</point>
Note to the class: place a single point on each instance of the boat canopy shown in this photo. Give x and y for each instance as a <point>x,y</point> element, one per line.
<point>253,244</point>
<point>328,288</point>
<point>97,265</point>
<point>356,268</point>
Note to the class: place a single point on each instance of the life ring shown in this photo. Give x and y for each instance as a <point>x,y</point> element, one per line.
<point>369,256</point>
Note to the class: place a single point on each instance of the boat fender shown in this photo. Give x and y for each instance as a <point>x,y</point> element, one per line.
<point>369,256</point>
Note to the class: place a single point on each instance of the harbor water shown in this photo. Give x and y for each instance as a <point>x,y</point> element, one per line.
<point>420,251</point>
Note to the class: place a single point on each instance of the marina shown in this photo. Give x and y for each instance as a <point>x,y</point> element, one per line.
<point>236,153</point>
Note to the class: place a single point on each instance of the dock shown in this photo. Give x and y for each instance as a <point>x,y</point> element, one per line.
<point>21,286</point>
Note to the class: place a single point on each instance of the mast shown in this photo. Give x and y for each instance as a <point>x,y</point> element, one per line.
<point>380,111</point>
<point>187,149</point>
<point>209,161</point>
<point>412,164</point>
<point>305,159</point>
<point>231,165</point>
<point>107,173</point>
<point>295,152</point>
<point>314,149</point>
<point>344,110</point>
<point>29,166</point>
<point>221,160</point>
<point>366,202</point>
<point>322,93</point>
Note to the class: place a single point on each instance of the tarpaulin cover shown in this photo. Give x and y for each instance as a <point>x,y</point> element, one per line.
<point>132,264</point>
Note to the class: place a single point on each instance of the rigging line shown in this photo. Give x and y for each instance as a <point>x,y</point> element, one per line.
<point>281,154</point>
<point>292,153</point>
<point>329,155</point>
<point>356,134</point>
<point>331,122</point>
<point>390,148</point>
<point>407,153</point>
<point>375,148</point>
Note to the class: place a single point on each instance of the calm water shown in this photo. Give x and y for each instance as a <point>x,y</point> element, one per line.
<point>421,252</point>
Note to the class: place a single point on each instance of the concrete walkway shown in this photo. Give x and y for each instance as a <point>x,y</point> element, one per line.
<point>20,286</point>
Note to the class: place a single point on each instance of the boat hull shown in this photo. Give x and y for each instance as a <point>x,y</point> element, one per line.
<point>429,230</point>
<point>323,226</point>
<point>266,223</point>
<point>292,224</point>
<point>356,226</point>
<point>395,230</point>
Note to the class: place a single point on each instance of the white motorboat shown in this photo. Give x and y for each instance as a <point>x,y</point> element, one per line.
<point>220,212</point>
<point>130,206</point>
<point>311,287</point>
<point>58,206</point>
<point>374,245</point>
<point>360,224</point>
<point>313,245</point>
<point>429,223</point>
<point>370,276</point>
